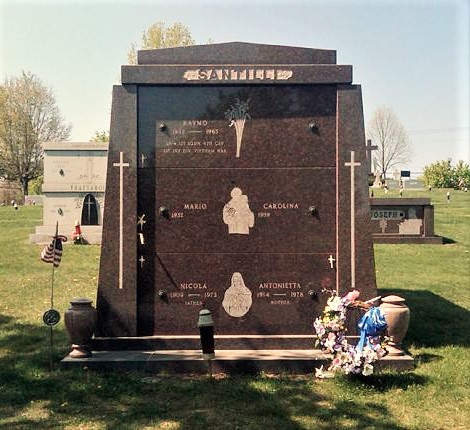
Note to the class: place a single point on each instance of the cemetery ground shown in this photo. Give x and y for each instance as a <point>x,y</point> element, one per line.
<point>434,279</point>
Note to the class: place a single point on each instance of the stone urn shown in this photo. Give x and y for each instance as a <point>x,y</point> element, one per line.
<point>80,321</point>
<point>397,315</point>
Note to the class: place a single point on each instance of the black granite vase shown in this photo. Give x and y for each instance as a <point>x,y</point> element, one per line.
<point>80,322</point>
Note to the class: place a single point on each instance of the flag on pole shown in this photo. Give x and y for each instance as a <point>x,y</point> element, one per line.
<point>51,254</point>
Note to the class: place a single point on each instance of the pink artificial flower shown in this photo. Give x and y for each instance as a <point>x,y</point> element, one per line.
<point>352,295</point>
<point>336,362</point>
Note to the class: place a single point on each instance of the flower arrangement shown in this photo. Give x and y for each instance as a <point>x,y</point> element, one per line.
<point>330,328</point>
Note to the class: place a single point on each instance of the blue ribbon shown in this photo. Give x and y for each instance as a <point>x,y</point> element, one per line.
<point>371,324</point>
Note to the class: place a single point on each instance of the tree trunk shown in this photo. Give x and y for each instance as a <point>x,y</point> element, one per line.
<point>24,185</point>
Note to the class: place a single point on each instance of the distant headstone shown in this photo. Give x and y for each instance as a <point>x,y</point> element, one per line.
<point>236,180</point>
<point>378,180</point>
<point>415,184</point>
<point>33,200</point>
<point>73,190</point>
<point>403,220</point>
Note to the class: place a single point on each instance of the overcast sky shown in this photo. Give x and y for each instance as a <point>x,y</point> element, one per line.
<point>411,56</point>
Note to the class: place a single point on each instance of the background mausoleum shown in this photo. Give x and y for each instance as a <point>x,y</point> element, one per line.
<point>74,187</point>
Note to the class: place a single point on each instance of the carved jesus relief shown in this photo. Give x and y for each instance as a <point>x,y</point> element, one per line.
<point>237,298</point>
<point>237,213</point>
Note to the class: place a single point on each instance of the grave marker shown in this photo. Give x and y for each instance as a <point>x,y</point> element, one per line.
<point>403,220</point>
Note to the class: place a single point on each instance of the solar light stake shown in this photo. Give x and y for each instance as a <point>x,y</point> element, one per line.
<point>206,331</point>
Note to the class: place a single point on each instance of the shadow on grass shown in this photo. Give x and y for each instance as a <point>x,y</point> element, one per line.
<point>382,382</point>
<point>434,320</point>
<point>33,397</point>
<point>424,358</point>
<point>448,241</point>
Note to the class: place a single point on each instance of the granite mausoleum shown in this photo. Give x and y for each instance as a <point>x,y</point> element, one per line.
<point>74,189</point>
<point>236,181</point>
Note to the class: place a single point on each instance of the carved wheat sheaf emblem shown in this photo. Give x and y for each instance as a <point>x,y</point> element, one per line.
<point>237,115</point>
<point>191,75</point>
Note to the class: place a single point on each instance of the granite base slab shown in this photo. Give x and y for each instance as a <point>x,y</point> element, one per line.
<point>226,361</point>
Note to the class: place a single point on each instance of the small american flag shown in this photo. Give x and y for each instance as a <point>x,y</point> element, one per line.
<point>51,255</point>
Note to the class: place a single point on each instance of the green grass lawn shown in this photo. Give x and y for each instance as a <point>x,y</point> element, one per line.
<point>434,279</point>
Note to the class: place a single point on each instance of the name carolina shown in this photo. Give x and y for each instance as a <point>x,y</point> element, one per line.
<point>280,205</point>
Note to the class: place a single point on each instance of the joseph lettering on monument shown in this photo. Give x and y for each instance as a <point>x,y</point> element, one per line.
<point>236,180</point>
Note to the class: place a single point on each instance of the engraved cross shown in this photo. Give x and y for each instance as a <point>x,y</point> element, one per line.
<point>143,158</point>
<point>331,260</point>
<point>352,164</point>
<point>121,166</point>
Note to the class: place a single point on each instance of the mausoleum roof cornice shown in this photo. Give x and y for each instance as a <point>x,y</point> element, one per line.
<point>239,52</point>
<point>73,146</point>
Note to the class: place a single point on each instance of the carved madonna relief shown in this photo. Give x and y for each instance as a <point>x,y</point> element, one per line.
<point>237,298</point>
<point>237,213</point>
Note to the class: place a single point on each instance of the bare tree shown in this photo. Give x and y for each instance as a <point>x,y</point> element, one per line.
<point>159,35</point>
<point>387,132</point>
<point>28,116</point>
